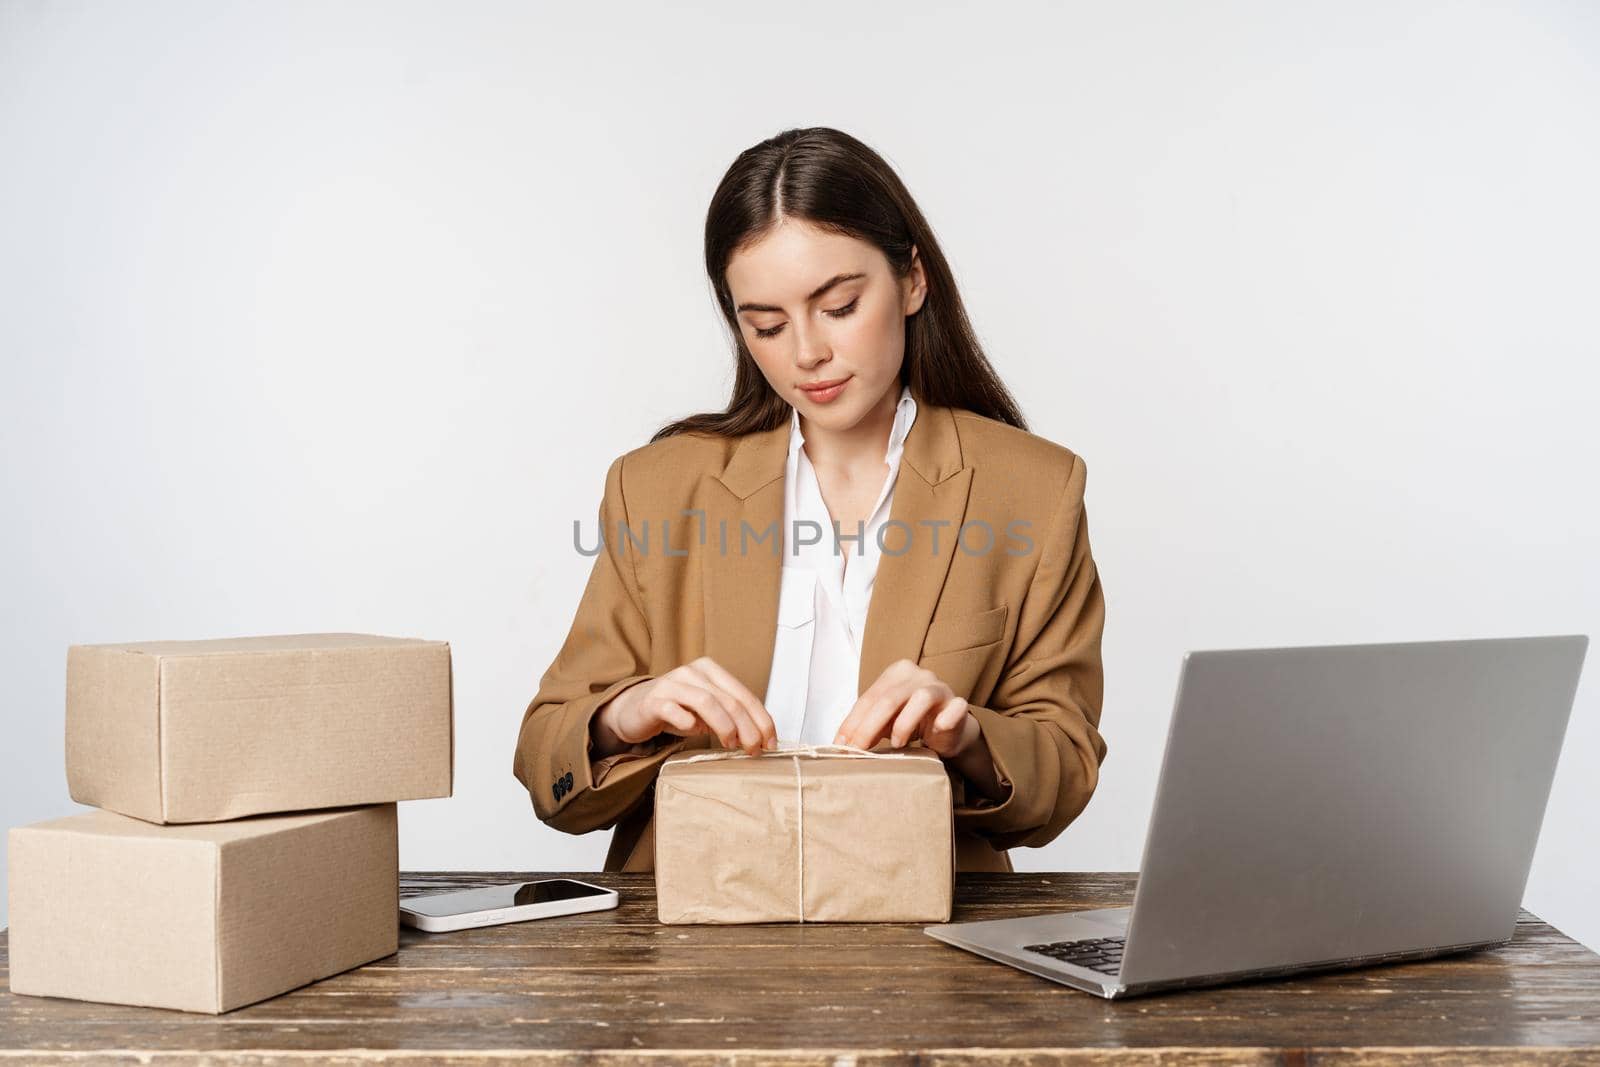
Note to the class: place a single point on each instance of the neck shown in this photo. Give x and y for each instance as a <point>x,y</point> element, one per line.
<point>860,446</point>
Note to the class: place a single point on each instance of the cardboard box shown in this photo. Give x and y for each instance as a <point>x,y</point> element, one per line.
<point>200,918</point>
<point>804,834</point>
<point>203,731</point>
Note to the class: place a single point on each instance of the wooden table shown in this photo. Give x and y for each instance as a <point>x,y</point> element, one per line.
<point>611,986</point>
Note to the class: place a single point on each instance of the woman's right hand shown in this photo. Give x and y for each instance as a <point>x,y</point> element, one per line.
<point>699,697</point>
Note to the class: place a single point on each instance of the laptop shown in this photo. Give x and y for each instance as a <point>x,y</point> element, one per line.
<point>1322,808</point>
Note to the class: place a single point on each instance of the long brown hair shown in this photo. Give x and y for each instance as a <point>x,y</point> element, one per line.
<point>837,183</point>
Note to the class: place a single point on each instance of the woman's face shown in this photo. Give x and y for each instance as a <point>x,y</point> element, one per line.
<point>819,307</point>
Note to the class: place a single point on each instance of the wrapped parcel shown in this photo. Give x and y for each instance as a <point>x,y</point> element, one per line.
<point>822,833</point>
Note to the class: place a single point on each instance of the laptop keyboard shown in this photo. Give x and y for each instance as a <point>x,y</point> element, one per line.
<point>1103,954</point>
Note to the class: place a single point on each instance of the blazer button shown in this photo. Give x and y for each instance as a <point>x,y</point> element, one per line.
<point>567,782</point>
<point>556,789</point>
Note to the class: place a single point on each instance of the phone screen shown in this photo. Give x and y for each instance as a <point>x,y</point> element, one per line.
<point>492,897</point>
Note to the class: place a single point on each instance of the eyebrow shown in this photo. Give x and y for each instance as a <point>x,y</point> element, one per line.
<point>818,291</point>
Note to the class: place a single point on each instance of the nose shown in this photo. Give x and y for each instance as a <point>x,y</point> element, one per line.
<point>810,348</point>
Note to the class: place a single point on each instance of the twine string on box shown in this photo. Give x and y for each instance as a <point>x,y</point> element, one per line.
<point>795,750</point>
<point>799,842</point>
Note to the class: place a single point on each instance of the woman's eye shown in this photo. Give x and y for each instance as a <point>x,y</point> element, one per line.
<point>837,313</point>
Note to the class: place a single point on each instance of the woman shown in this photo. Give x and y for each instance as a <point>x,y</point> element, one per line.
<point>934,587</point>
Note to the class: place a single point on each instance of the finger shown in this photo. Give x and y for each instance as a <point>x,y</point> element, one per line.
<point>731,685</point>
<point>908,723</point>
<point>952,716</point>
<point>843,735</point>
<point>749,734</point>
<point>847,727</point>
<point>711,709</point>
<point>943,730</point>
<point>679,719</point>
<point>869,696</point>
<point>906,679</point>
<point>875,718</point>
<point>745,734</point>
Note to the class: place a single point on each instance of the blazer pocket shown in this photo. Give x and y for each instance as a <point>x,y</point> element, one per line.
<point>965,631</point>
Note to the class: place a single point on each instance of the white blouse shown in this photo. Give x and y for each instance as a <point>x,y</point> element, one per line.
<point>823,598</point>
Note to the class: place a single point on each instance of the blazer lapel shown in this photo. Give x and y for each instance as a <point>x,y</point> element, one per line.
<point>743,554</point>
<point>930,499</point>
<point>742,581</point>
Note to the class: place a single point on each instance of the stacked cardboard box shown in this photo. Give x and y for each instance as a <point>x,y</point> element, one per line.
<point>246,841</point>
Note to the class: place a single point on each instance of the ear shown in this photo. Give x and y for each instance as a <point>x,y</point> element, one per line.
<point>917,289</point>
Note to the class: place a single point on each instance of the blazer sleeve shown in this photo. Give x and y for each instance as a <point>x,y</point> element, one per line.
<point>1042,721</point>
<point>606,650</point>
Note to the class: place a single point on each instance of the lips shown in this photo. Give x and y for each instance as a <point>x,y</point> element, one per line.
<point>818,387</point>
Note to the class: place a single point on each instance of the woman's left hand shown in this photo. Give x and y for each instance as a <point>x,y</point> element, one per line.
<point>909,702</point>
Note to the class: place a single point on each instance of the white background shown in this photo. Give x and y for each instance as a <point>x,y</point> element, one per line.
<point>332,317</point>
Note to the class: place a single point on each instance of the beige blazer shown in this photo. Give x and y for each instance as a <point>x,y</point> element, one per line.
<point>1014,629</point>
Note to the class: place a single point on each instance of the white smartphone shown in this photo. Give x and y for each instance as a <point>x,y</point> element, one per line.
<point>511,902</point>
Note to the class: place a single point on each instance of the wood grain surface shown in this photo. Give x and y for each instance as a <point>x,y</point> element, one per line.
<point>616,986</point>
